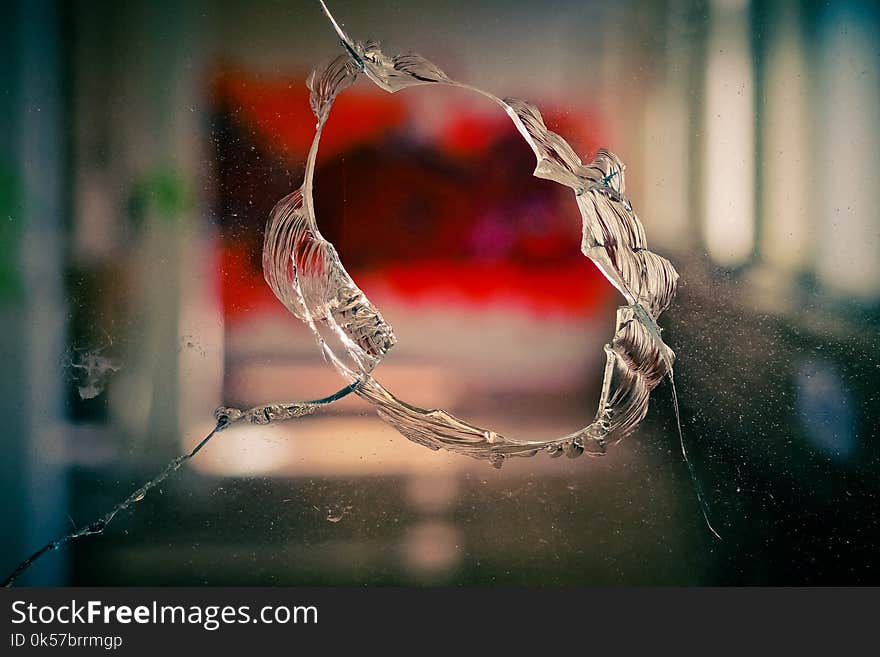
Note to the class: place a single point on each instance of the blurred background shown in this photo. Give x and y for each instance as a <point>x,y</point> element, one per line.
<point>143,144</point>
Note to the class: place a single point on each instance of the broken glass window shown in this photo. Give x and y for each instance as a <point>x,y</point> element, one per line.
<point>307,275</point>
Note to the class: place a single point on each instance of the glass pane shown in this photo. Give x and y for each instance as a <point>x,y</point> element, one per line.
<point>146,146</point>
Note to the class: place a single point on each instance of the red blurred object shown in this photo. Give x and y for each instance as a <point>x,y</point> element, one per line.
<point>460,218</point>
<point>278,111</point>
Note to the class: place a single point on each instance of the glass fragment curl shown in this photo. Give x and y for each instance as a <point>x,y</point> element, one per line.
<point>306,273</point>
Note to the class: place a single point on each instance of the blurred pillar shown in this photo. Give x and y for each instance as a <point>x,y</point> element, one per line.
<point>141,84</point>
<point>788,171</point>
<point>31,292</point>
<point>729,129</point>
<point>670,120</point>
<point>848,250</point>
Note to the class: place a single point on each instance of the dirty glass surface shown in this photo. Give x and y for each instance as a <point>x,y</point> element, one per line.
<point>156,267</point>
